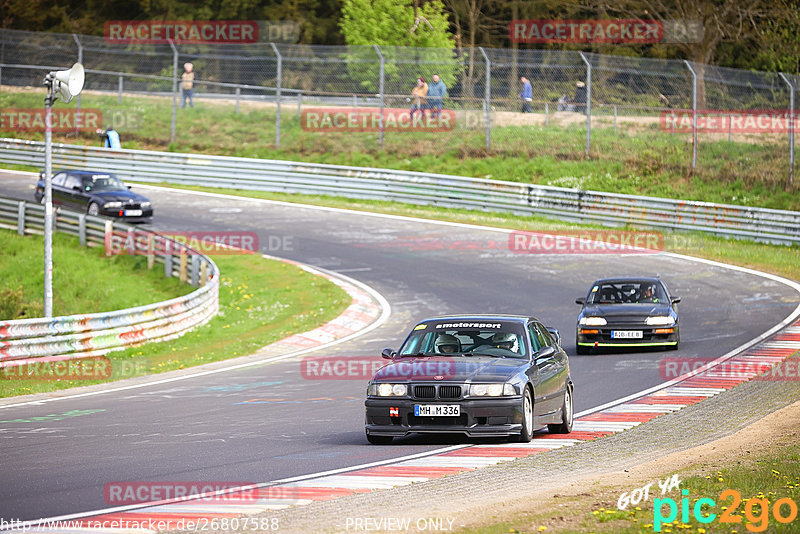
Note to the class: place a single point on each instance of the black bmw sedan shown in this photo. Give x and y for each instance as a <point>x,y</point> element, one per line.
<point>627,312</point>
<point>484,375</point>
<point>96,193</point>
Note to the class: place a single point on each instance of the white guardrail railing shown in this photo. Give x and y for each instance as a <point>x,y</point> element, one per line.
<point>78,336</point>
<point>769,225</point>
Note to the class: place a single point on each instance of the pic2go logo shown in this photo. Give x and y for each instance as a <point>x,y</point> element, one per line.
<point>756,511</point>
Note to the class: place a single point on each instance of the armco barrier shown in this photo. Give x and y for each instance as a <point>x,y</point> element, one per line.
<point>78,336</point>
<point>759,224</point>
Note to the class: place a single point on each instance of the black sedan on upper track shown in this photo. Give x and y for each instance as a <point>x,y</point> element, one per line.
<point>484,375</point>
<point>96,193</point>
<point>627,312</point>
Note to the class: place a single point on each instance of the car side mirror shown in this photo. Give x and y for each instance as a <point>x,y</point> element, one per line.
<point>581,301</point>
<point>76,187</point>
<point>129,187</point>
<point>546,352</point>
<point>675,300</point>
<point>555,333</point>
<point>388,354</point>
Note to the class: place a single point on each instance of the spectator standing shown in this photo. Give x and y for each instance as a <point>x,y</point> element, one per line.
<point>187,84</point>
<point>110,137</point>
<point>436,93</point>
<point>418,97</point>
<point>580,97</point>
<point>526,95</point>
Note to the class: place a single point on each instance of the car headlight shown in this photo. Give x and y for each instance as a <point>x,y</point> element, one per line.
<point>660,320</point>
<point>491,390</point>
<point>112,205</point>
<point>145,204</point>
<point>592,321</point>
<point>387,390</point>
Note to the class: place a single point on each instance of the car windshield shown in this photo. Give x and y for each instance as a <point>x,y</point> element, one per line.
<point>102,182</point>
<point>627,292</point>
<point>504,340</point>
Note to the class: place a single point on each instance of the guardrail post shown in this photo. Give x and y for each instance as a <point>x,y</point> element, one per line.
<point>792,119</point>
<point>278,79</point>
<point>203,273</point>
<point>487,97</point>
<point>694,113</point>
<point>195,269</point>
<point>730,127</point>
<point>238,94</point>
<point>182,271</point>
<point>119,90</point>
<point>167,264</point>
<point>21,217</point>
<point>588,103</point>
<point>108,235</point>
<point>547,113</point>
<point>78,116</point>
<point>299,104</point>
<point>174,90</point>
<point>151,257</point>
<point>380,89</point>
<point>615,119</point>
<point>82,229</point>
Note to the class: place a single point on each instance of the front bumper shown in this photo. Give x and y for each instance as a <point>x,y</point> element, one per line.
<point>652,336</point>
<point>498,416</point>
<point>120,213</point>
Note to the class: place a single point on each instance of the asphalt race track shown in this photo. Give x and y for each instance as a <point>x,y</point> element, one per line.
<point>269,422</point>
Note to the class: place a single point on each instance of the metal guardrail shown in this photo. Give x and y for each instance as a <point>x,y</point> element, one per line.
<point>760,224</point>
<point>78,336</point>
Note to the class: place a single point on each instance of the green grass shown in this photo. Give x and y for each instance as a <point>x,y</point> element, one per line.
<point>776,259</point>
<point>639,160</point>
<point>261,301</point>
<point>84,279</point>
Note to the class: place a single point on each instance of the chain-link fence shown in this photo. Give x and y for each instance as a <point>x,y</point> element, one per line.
<point>362,95</point>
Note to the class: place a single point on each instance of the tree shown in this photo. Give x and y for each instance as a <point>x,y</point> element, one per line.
<point>398,23</point>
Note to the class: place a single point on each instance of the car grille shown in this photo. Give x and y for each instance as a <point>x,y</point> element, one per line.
<point>444,392</point>
<point>461,420</point>
<point>449,392</point>
<point>425,392</point>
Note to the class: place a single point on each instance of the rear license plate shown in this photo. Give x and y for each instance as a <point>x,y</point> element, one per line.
<point>434,410</point>
<point>626,334</point>
<point>133,213</point>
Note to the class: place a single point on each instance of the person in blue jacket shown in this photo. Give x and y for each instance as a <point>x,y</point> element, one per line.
<point>437,90</point>
<point>110,138</point>
<point>526,95</point>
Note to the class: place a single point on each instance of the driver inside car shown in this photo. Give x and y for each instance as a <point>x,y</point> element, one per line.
<point>447,344</point>
<point>505,340</point>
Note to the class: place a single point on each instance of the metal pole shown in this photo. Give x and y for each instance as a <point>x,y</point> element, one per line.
<point>383,72</point>
<point>48,201</point>
<point>299,104</point>
<point>588,103</point>
<point>694,114</point>
<point>615,119</point>
<point>547,113</point>
<point>78,116</point>
<point>792,119</point>
<point>119,91</point>
<point>488,97</point>
<point>238,94</point>
<point>174,90</point>
<point>278,80</point>
<point>730,127</point>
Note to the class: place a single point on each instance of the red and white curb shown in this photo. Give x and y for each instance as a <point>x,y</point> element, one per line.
<point>694,387</point>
